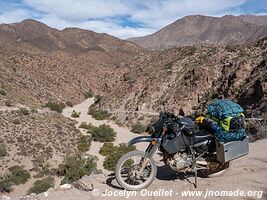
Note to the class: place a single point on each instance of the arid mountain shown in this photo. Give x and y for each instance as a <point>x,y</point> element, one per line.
<point>39,63</point>
<point>195,29</point>
<point>188,77</point>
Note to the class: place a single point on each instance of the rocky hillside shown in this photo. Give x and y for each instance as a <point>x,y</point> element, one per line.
<point>187,78</point>
<point>39,63</point>
<point>195,29</point>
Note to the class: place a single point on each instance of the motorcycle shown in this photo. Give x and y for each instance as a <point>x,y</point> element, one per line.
<point>185,148</point>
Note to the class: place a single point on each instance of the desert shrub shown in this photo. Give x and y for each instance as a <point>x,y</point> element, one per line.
<point>113,157</point>
<point>23,111</point>
<point>55,106</point>
<point>98,114</point>
<point>88,94</point>
<point>107,149</point>
<point>138,128</point>
<point>75,114</point>
<point>103,133</point>
<point>84,125</point>
<point>18,175</point>
<point>75,167</point>
<point>34,110</point>
<point>5,183</point>
<point>2,92</point>
<point>3,151</point>
<point>40,186</point>
<point>8,103</point>
<point>84,143</point>
<point>68,103</point>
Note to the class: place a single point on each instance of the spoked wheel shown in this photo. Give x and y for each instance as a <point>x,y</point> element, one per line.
<point>133,172</point>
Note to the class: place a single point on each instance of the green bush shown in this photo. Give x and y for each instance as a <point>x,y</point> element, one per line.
<point>18,175</point>
<point>113,157</point>
<point>75,167</point>
<point>23,111</point>
<point>103,133</point>
<point>84,125</point>
<point>107,149</point>
<point>75,114</point>
<point>3,151</point>
<point>2,92</point>
<point>98,114</point>
<point>55,106</point>
<point>138,128</point>
<point>88,94</point>
<point>5,183</point>
<point>84,143</point>
<point>40,186</point>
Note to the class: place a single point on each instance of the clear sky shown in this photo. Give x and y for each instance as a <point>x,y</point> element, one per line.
<point>121,18</point>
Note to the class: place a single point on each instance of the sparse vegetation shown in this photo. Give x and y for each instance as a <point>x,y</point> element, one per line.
<point>69,104</point>
<point>8,103</point>
<point>2,92</point>
<point>84,125</point>
<point>76,166</point>
<point>18,175</point>
<point>75,114</point>
<point>5,183</point>
<point>55,106</point>
<point>113,154</point>
<point>34,110</point>
<point>84,143</point>
<point>138,128</point>
<point>88,94</point>
<point>103,133</point>
<point>107,149</point>
<point>98,114</point>
<point>97,99</point>
<point>41,185</point>
<point>23,111</point>
<point>3,151</point>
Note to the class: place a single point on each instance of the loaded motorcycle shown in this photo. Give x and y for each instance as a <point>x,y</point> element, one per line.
<point>185,148</point>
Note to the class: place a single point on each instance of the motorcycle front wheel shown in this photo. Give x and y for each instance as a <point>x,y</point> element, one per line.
<point>134,172</point>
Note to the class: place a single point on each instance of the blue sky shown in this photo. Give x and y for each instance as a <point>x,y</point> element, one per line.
<point>121,18</point>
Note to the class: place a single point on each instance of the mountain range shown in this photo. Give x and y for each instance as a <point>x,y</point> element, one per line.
<point>199,29</point>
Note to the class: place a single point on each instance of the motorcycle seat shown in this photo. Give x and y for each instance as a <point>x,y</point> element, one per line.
<point>201,135</point>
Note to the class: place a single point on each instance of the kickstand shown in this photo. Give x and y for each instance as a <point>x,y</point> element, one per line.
<point>195,172</point>
<point>194,165</point>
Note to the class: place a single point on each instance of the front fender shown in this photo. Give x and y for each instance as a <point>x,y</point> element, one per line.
<point>140,139</point>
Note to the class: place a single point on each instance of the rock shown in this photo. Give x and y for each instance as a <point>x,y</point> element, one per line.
<point>65,186</point>
<point>5,197</point>
<point>46,194</point>
<point>83,185</point>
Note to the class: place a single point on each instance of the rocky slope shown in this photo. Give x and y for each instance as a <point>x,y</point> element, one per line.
<point>195,29</point>
<point>188,78</point>
<point>39,63</point>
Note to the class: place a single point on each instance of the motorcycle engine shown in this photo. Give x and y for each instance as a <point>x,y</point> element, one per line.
<point>180,161</point>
